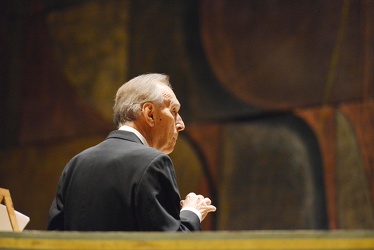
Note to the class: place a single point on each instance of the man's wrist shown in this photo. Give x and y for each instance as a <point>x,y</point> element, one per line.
<point>194,210</point>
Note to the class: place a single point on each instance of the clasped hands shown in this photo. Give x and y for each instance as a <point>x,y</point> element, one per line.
<point>199,202</point>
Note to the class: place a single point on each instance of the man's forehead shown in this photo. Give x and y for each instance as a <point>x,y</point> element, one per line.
<point>167,95</point>
<point>170,97</point>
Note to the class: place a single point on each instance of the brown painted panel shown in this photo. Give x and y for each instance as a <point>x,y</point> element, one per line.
<point>356,210</point>
<point>272,178</point>
<point>278,54</point>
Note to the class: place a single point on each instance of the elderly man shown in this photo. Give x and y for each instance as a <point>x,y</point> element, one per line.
<point>127,182</point>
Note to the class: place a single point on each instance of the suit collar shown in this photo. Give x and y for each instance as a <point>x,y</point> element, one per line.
<point>124,135</point>
<point>136,132</point>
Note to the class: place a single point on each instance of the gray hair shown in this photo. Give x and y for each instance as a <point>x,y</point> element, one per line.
<point>133,94</point>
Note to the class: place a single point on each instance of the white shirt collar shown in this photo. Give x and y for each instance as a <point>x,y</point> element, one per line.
<point>136,132</point>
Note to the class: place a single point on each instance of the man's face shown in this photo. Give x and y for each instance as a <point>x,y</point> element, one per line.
<point>168,122</point>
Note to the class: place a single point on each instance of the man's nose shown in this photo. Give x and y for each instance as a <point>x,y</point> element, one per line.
<point>179,123</point>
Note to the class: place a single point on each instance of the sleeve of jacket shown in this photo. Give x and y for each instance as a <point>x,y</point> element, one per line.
<point>56,212</point>
<point>157,200</point>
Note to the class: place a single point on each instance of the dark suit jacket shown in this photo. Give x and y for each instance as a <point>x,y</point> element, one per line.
<point>119,185</point>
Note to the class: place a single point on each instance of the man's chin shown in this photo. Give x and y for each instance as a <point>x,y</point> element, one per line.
<point>169,150</point>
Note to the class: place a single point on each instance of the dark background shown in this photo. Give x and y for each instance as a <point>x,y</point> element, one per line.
<point>277,97</point>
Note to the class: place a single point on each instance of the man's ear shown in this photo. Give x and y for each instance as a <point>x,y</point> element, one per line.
<point>148,113</point>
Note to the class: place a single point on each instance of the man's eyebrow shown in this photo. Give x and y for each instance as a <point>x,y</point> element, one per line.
<point>175,104</point>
